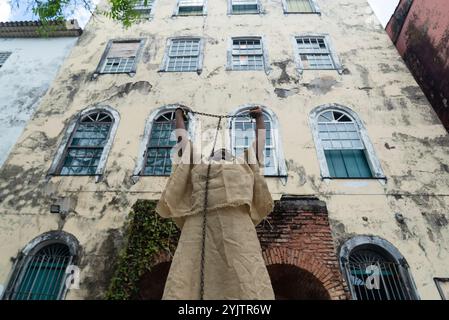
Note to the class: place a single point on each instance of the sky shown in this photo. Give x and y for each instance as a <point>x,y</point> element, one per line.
<point>382,8</point>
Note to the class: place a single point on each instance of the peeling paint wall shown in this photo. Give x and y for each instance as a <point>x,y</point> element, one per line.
<point>420,30</point>
<point>24,79</point>
<point>407,136</point>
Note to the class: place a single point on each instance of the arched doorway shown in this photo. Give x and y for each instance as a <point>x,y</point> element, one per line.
<point>152,283</point>
<point>293,283</point>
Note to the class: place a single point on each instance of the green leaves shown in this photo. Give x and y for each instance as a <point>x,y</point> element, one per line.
<point>147,235</point>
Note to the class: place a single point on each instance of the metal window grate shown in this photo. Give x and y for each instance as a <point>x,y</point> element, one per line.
<point>245,6</point>
<point>372,276</point>
<point>299,6</point>
<point>183,55</point>
<point>86,144</point>
<point>314,53</point>
<point>43,275</point>
<point>3,57</point>
<point>247,54</point>
<point>158,155</point>
<point>243,135</point>
<point>191,7</point>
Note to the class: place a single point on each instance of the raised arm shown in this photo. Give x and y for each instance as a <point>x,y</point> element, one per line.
<point>259,143</point>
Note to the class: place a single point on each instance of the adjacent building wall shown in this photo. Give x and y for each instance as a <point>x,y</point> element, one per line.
<point>420,31</point>
<point>407,136</point>
<point>24,79</point>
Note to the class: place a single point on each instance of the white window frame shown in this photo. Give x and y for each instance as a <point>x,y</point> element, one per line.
<point>259,7</point>
<point>104,56</point>
<point>327,40</point>
<point>150,5</point>
<point>280,169</point>
<point>60,153</point>
<point>266,65</point>
<point>145,139</point>
<point>315,8</point>
<point>179,4</point>
<point>373,161</point>
<point>166,58</point>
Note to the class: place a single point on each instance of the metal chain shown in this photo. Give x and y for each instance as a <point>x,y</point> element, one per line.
<point>241,115</point>
<point>206,200</point>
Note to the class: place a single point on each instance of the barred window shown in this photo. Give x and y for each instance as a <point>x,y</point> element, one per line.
<point>3,57</point>
<point>158,155</point>
<point>244,6</point>
<point>343,146</point>
<point>86,144</point>
<point>299,6</point>
<point>144,8</point>
<point>314,53</point>
<point>121,57</point>
<point>374,275</point>
<point>43,275</point>
<point>183,55</point>
<point>247,54</point>
<point>190,7</point>
<point>243,135</point>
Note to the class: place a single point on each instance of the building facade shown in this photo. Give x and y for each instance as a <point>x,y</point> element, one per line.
<point>29,62</point>
<point>356,159</point>
<point>420,29</point>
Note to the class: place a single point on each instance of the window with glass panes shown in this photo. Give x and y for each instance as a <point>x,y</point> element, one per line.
<point>369,262</point>
<point>3,57</point>
<point>244,6</point>
<point>243,135</point>
<point>299,6</point>
<point>247,54</point>
<point>314,53</point>
<point>183,55</point>
<point>190,7</point>
<point>144,8</point>
<point>121,57</point>
<point>43,275</point>
<point>158,154</point>
<point>86,144</point>
<point>343,146</point>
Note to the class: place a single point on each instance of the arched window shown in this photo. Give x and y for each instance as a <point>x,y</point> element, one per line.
<point>87,142</point>
<point>243,133</point>
<point>40,272</point>
<point>158,141</point>
<point>375,270</point>
<point>343,147</point>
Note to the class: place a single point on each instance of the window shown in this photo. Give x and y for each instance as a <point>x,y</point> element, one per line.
<point>443,287</point>
<point>375,270</point>
<point>158,157</point>
<point>244,6</point>
<point>145,10</point>
<point>343,148</point>
<point>120,57</point>
<point>191,7</point>
<point>300,6</point>
<point>86,144</point>
<point>314,53</point>
<point>183,55</point>
<point>243,134</point>
<point>247,54</point>
<point>3,57</point>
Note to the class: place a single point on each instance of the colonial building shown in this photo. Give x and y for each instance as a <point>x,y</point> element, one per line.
<point>420,29</point>
<point>356,158</point>
<point>30,57</point>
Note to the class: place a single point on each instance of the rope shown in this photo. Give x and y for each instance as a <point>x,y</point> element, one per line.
<point>206,193</point>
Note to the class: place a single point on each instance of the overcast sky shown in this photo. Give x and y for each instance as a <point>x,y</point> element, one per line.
<point>383,9</point>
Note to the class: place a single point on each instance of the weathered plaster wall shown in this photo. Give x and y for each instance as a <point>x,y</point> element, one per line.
<point>422,39</point>
<point>24,79</point>
<point>409,140</point>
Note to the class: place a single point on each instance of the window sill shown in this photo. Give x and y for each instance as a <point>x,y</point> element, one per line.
<point>293,12</point>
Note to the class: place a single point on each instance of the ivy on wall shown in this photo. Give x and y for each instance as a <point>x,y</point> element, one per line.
<point>147,235</point>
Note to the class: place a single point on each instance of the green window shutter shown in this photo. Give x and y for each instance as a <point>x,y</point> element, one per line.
<point>347,164</point>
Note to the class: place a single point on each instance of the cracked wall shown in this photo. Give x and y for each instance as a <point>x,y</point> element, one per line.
<point>409,140</point>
